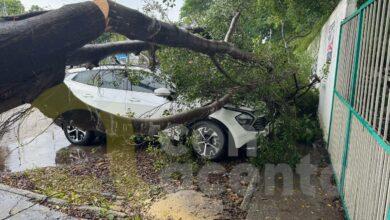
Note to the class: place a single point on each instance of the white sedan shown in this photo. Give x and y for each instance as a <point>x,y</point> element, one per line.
<point>110,89</point>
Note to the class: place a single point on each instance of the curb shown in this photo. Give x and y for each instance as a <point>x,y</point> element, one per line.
<point>60,202</point>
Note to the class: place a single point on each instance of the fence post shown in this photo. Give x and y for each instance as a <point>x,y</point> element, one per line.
<point>388,213</point>
<point>334,84</point>
<point>352,98</point>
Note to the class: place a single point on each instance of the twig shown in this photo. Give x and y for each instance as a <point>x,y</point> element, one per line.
<point>221,70</point>
<point>232,27</point>
<point>11,120</point>
<point>310,86</point>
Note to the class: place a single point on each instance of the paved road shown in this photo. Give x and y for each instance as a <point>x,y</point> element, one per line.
<point>14,206</point>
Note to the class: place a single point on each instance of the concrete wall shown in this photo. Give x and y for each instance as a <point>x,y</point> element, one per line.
<point>327,59</point>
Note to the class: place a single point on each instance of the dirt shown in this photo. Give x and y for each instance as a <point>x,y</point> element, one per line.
<point>87,181</point>
<point>85,178</point>
<point>324,204</point>
<point>186,204</point>
<point>230,200</point>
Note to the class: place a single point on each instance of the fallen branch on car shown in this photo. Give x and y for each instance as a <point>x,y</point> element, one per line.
<point>148,126</point>
<point>94,53</point>
<point>35,48</point>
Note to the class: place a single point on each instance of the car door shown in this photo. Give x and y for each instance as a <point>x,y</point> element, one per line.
<point>141,100</point>
<point>111,92</point>
<point>83,87</point>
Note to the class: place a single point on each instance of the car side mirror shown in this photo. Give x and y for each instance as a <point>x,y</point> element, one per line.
<point>162,92</point>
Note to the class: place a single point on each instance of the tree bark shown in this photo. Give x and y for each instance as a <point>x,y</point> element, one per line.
<point>93,53</point>
<point>33,50</point>
<point>147,126</point>
<point>137,26</point>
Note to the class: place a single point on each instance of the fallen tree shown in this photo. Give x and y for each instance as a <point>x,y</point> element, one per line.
<point>36,47</point>
<point>33,51</point>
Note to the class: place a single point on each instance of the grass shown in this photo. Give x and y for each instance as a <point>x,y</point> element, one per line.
<point>75,189</point>
<point>120,172</point>
<point>108,182</point>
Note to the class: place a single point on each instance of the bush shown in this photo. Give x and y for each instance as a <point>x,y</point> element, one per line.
<point>276,152</point>
<point>296,126</point>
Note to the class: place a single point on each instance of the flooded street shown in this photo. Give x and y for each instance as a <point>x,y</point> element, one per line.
<point>35,152</point>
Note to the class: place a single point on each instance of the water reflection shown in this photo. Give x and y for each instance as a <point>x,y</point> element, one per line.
<point>51,148</point>
<point>77,155</point>
<point>35,152</point>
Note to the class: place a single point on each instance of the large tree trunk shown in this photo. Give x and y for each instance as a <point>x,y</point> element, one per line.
<point>35,48</point>
<point>137,26</point>
<point>33,51</point>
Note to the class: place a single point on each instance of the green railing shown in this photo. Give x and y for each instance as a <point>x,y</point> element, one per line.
<point>362,93</point>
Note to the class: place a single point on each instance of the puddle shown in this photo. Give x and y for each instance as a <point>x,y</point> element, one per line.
<point>49,149</point>
<point>35,152</point>
<point>77,155</point>
<point>37,143</point>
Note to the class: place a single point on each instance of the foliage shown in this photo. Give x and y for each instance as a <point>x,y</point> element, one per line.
<point>265,19</point>
<point>162,157</point>
<point>35,8</point>
<point>61,183</point>
<point>158,9</point>
<point>193,8</point>
<point>278,32</point>
<point>11,7</point>
<point>290,130</point>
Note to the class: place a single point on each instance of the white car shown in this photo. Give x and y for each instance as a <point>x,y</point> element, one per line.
<point>107,88</point>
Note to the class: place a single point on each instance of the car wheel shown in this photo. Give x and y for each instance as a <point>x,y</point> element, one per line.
<point>208,140</point>
<point>78,136</point>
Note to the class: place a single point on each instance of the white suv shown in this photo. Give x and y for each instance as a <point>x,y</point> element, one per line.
<point>109,88</point>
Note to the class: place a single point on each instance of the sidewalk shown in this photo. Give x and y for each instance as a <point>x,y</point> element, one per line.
<point>318,199</point>
<point>15,206</point>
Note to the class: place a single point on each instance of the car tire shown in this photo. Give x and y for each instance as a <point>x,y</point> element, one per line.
<point>208,140</point>
<point>78,136</point>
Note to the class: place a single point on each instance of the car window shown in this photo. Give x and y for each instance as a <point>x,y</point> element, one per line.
<point>145,83</point>
<point>87,77</point>
<point>118,79</point>
<point>142,88</point>
<point>111,79</point>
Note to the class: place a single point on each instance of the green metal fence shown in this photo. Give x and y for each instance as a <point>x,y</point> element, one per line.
<point>359,133</point>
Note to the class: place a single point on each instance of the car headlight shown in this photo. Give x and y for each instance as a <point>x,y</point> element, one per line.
<point>245,119</point>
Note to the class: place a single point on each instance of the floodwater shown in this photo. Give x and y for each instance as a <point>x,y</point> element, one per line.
<point>36,142</point>
<point>35,152</point>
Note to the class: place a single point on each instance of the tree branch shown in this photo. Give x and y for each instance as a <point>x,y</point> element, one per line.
<point>222,71</point>
<point>93,53</point>
<point>306,88</point>
<point>104,121</point>
<point>232,27</point>
<point>35,50</point>
<point>137,26</point>
<point>144,126</point>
